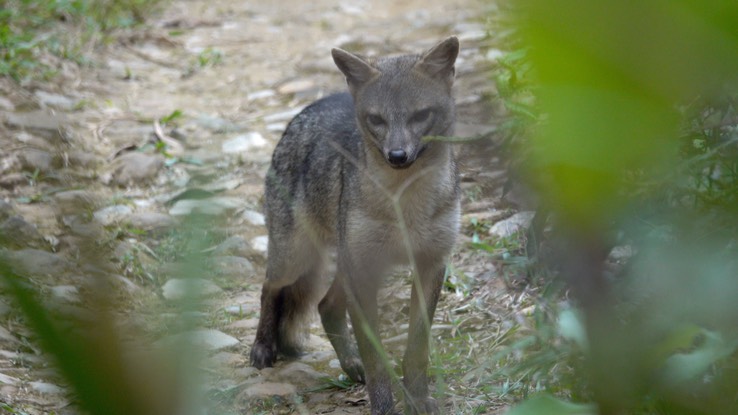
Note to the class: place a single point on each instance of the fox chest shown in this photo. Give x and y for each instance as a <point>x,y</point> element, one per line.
<point>392,234</point>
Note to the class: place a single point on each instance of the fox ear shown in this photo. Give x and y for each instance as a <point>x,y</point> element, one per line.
<point>356,70</point>
<point>439,60</point>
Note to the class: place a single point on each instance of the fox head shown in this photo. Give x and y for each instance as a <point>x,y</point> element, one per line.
<point>399,100</point>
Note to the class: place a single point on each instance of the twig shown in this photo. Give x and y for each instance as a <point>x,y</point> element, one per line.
<point>454,139</point>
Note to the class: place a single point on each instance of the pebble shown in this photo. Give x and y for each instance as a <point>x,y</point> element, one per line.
<point>72,202</point>
<point>84,159</point>
<point>21,233</point>
<point>134,168</point>
<point>12,180</point>
<point>264,93</point>
<point>230,359</point>
<point>235,266</point>
<point>515,223</point>
<point>243,143</point>
<point>268,389</point>
<point>67,293</point>
<point>4,309</point>
<point>34,262</point>
<point>46,388</point>
<point>6,210</point>
<point>56,101</point>
<point>112,214</point>
<point>8,380</point>
<point>33,159</point>
<point>7,336</point>
<point>234,245</point>
<point>151,221</point>
<point>245,324</point>
<point>39,119</point>
<point>216,124</point>
<point>208,339</point>
<point>254,218</point>
<point>6,104</point>
<point>300,373</point>
<point>260,244</point>
<point>213,206</point>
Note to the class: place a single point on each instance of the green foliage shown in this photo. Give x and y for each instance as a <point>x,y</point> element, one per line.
<point>31,31</point>
<point>547,404</point>
<point>633,130</point>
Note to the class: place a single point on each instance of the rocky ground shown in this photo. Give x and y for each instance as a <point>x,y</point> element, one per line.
<point>101,171</point>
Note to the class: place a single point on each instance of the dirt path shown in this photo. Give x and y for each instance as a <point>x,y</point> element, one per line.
<point>228,75</point>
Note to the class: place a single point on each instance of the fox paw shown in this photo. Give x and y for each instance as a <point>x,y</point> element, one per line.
<point>262,355</point>
<point>422,406</point>
<point>354,369</point>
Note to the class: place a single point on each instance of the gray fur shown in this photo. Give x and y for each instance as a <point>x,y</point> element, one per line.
<point>344,168</point>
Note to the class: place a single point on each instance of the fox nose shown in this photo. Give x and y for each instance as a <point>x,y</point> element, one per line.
<point>397,157</point>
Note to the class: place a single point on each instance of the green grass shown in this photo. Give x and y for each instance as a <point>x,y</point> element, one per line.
<point>34,34</point>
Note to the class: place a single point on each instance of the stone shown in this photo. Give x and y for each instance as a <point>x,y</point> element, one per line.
<point>515,223</point>
<point>243,143</point>
<point>300,373</point>
<point>213,206</point>
<point>75,202</point>
<point>234,245</point>
<point>33,159</point>
<point>233,266</point>
<point>177,289</point>
<point>112,214</point>
<point>262,94</point>
<point>260,244</point>
<point>222,185</point>
<point>216,124</point>
<point>39,120</point>
<point>245,324</point>
<point>56,101</point>
<point>208,339</point>
<point>17,233</point>
<point>268,390</point>
<point>84,159</point>
<point>253,217</point>
<point>6,104</point>
<point>66,293</point>
<point>12,180</point>
<point>151,221</point>
<point>46,388</point>
<point>230,359</point>
<point>136,168</point>
<point>34,262</point>
<point>6,210</point>
<point>5,309</point>
<point>8,380</point>
<point>7,336</point>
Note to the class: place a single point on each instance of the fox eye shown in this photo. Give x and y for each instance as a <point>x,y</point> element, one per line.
<point>375,120</point>
<point>420,116</point>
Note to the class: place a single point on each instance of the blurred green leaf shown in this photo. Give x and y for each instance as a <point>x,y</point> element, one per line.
<point>545,404</point>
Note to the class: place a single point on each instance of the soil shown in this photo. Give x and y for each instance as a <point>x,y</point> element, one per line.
<point>100,168</point>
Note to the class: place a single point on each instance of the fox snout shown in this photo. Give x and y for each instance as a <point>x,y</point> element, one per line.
<point>397,157</point>
<point>401,158</point>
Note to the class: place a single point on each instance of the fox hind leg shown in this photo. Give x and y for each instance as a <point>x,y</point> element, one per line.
<point>333,315</point>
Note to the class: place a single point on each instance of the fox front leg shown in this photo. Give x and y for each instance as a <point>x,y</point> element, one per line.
<point>423,299</point>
